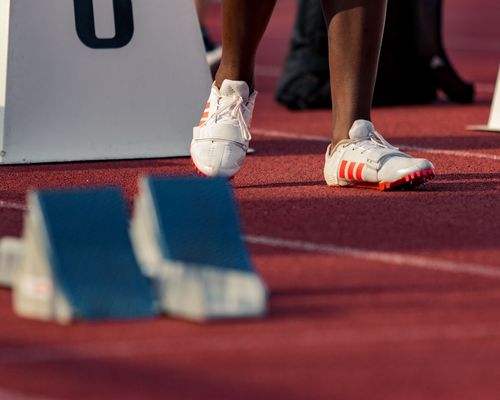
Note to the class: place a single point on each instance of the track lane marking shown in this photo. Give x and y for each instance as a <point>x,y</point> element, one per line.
<point>428,263</point>
<point>13,206</point>
<point>324,139</point>
<point>309,339</point>
<point>407,260</point>
<point>6,394</point>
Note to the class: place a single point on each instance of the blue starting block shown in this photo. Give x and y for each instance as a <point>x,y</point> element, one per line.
<point>78,261</point>
<point>187,236</point>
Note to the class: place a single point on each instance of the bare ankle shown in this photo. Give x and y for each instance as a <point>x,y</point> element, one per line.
<point>234,74</point>
<point>341,129</point>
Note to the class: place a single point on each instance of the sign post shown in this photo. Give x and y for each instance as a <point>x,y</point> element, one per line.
<point>99,79</point>
<point>494,120</point>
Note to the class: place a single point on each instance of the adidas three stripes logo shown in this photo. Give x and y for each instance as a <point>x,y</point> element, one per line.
<point>351,170</point>
<point>204,117</point>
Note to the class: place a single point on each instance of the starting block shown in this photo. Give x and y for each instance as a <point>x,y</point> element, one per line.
<point>494,120</point>
<point>11,253</point>
<point>78,261</point>
<point>187,237</point>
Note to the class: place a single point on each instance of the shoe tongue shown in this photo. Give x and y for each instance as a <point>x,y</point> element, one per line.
<point>240,88</point>
<point>361,129</point>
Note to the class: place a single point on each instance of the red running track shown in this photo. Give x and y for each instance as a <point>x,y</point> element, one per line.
<point>373,295</point>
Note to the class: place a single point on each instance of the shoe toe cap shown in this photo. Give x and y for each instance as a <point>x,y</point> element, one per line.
<point>397,167</point>
<point>215,158</point>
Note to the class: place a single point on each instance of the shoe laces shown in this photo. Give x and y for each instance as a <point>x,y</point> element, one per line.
<point>231,109</point>
<point>374,141</point>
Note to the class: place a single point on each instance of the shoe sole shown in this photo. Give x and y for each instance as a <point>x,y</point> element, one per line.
<point>409,181</point>
<point>230,178</point>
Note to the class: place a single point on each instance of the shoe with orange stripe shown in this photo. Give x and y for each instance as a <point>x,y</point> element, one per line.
<point>220,141</point>
<point>367,160</point>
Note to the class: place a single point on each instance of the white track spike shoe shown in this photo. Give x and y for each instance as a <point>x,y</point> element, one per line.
<point>220,141</point>
<point>367,160</point>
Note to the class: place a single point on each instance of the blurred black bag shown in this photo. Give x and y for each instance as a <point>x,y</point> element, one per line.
<point>413,63</point>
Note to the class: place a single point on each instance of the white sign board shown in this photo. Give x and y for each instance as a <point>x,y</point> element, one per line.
<point>494,120</point>
<point>99,79</point>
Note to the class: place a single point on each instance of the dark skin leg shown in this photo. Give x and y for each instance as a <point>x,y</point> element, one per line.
<point>200,9</point>
<point>355,30</point>
<point>243,24</point>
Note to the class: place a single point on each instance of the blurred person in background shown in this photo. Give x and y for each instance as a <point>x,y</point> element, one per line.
<point>212,49</point>
<point>413,64</point>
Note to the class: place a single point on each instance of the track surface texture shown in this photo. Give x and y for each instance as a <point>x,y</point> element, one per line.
<point>374,295</point>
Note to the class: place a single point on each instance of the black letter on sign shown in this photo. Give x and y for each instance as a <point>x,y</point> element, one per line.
<point>85,24</point>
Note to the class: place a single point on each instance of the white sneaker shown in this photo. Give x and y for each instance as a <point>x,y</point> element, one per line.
<point>367,160</point>
<point>220,141</point>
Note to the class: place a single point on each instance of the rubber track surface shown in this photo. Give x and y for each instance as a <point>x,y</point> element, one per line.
<point>374,295</point>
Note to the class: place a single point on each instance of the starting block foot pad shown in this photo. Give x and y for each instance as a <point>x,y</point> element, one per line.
<point>187,236</point>
<point>79,262</point>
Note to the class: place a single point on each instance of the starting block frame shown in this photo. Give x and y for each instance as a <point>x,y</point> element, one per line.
<point>120,85</point>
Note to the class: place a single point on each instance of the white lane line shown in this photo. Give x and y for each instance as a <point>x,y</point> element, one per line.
<point>15,395</point>
<point>406,260</point>
<point>386,257</point>
<point>456,153</point>
<point>324,139</point>
<point>13,206</point>
<point>290,135</point>
<point>313,339</point>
